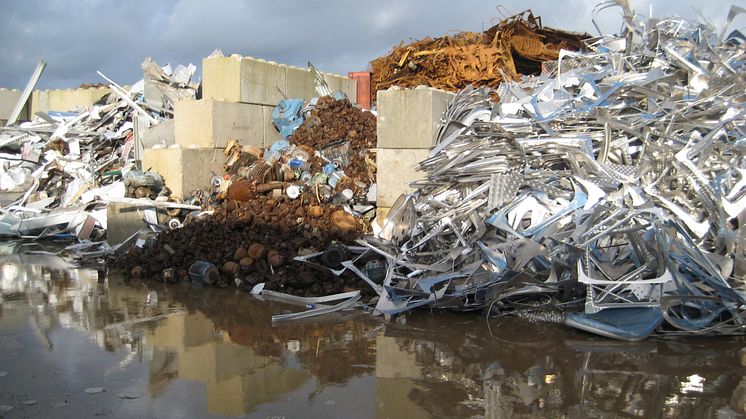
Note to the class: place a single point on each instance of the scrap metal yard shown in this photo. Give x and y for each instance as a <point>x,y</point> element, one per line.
<point>524,221</point>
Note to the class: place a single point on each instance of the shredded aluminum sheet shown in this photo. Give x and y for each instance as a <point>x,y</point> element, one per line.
<point>617,180</point>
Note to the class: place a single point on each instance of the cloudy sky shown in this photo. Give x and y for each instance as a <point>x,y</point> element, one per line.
<point>78,37</point>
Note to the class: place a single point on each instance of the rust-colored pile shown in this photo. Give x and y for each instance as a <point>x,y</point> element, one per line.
<point>335,131</point>
<point>252,242</point>
<point>274,206</point>
<point>517,45</point>
<point>333,121</point>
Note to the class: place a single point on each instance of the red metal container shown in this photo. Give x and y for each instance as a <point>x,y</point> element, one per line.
<point>363,87</point>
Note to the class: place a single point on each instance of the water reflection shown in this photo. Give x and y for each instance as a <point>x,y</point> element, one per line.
<point>431,365</point>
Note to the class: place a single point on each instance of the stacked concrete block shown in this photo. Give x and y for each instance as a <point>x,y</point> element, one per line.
<point>239,95</point>
<point>250,83</point>
<point>409,118</point>
<point>251,80</point>
<point>122,221</point>
<point>65,100</point>
<point>211,123</point>
<point>202,130</point>
<point>184,169</point>
<point>300,83</point>
<point>243,79</point>
<point>408,121</point>
<point>396,169</point>
<point>381,213</point>
<point>270,132</point>
<point>8,100</point>
<point>158,135</point>
<point>343,84</point>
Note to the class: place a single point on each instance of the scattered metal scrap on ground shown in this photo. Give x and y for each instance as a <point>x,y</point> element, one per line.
<point>516,46</point>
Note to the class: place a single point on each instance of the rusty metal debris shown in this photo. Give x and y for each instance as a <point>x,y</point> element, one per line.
<point>252,242</point>
<point>276,215</point>
<point>325,155</point>
<point>608,193</point>
<point>517,45</point>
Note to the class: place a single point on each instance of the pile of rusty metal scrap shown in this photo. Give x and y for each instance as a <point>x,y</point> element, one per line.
<point>245,243</point>
<point>59,170</point>
<point>517,45</point>
<point>325,156</point>
<point>610,197</point>
<point>282,216</point>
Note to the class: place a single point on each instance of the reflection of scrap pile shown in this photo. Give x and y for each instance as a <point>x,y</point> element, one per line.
<point>516,45</point>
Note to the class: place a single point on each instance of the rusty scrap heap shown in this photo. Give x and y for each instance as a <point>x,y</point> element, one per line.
<point>303,195</point>
<point>334,122</point>
<point>517,45</point>
<point>325,159</point>
<point>251,242</point>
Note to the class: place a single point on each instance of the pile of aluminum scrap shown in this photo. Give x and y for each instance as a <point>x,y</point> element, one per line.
<point>609,196</point>
<point>58,170</point>
<point>517,45</point>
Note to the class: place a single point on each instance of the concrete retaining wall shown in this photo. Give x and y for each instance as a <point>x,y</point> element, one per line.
<point>408,121</point>
<point>184,169</point>
<point>65,100</point>
<point>409,118</point>
<point>396,169</point>
<point>239,94</point>
<point>212,123</point>
<point>252,80</point>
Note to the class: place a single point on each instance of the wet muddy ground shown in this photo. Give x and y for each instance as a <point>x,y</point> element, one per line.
<point>77,344</point>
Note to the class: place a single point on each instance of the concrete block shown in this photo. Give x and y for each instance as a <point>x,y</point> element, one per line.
<point>8,100</point>
<point>341,83</point>
<point>210,123</point>
<point>300,83</point>
<point>409,118</point>
<point>161,134</point>
<point>65,100</point>
<point>396,169</point>
<point>243,79</point>
<point>270,132</point>
<point>221,78</point>
<point>251,80</point>
<point>122,221</point>
<point>184,169</point>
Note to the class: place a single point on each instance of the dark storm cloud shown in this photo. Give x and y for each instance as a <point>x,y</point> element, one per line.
<point>76,38</point>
